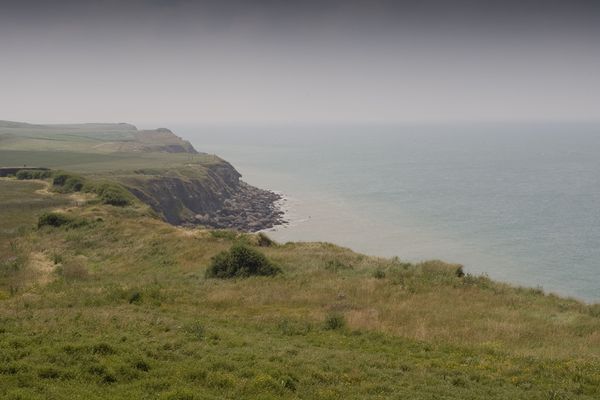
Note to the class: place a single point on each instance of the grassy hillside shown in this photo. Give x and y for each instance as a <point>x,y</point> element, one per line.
<point>118,306</point>
<point>102,138</point>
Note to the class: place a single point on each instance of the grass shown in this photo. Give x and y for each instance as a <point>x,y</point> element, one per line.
<point>125,311</point>
<point>147,175</point>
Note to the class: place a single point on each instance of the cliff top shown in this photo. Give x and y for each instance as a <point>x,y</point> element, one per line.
<point>93,137</point>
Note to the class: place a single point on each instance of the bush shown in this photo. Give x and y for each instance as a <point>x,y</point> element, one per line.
<point>68,182</point>
<point>32,174</point>
<point>108,192</point>
<point>135,298</point>
<point>379,273</point>
<point>334,322</point>
<point>241,261</point>
<point>54,219</point>
<point>113,194</point>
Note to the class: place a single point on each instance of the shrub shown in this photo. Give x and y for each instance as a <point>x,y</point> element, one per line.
<point>22,175</point>
<point>141,365</point>
<point>103,349</point>
<point>334,322</point>
<point>54,219</point>
<point>112,193</point>
<point>68,182</point>
<point>379,273</point>
<point>241,261</point>
<point>32,174</point>
<point>135,298</point>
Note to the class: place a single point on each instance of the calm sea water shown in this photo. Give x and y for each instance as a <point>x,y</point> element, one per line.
<point>520,203</point>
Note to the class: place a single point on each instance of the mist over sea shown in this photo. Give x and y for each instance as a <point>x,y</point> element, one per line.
<point>519,202</point>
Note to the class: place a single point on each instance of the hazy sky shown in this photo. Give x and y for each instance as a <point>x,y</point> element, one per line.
<point>160,61</point>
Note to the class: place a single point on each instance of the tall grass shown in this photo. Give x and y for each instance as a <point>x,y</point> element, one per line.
<point>130,314</point>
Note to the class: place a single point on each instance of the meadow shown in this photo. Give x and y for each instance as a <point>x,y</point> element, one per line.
<point>118,306</point>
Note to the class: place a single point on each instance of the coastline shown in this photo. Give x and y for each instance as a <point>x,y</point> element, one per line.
<point>249,209</point>
<point>397,198</point>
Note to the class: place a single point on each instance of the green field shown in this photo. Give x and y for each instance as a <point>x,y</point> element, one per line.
<point>93,148</point>
<point>119,308</point>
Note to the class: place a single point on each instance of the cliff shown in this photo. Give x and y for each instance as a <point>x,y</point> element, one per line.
<point>211,195</point>
<point>183,186</point>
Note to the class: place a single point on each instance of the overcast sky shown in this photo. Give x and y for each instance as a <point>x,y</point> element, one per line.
<point>157,61</point>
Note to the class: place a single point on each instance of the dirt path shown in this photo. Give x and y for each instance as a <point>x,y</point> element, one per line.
<point>79,198</point>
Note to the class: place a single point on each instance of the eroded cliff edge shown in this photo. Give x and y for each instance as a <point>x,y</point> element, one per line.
<point>208,194</point>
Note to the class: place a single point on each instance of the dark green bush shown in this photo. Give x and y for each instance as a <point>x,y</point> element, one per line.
<point>23,174</point>
<point>241,261</point>
<point>113,194</point>
<point>67,182</point>
<point>54,219</point>
<point>32,174</point>
<point>135,298</point>
<point>103,348</point>
<point>334,322</point>
<point>460,273</point>
<point>379,273</point>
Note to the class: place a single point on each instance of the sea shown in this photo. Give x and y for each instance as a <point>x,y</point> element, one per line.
<point>519,202</point>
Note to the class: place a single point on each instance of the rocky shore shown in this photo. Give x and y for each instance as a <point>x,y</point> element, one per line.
<point>249,209</point>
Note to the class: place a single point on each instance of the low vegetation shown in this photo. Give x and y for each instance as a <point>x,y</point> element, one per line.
<point>108,192</point>
<point>58,219</point>
<point>111,193</point>
<point>123,307</point>
<point>26,174</point>
<point>54,219</point>
<point>65,182</point>
<point>241,261</point>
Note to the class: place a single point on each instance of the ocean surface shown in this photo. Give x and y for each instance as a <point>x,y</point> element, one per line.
<point>518,202</point>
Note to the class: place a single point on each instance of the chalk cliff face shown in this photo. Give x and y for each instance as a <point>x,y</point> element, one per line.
<point>212,196</point>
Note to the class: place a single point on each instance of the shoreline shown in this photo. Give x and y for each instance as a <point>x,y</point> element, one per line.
<point>249,209</point>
